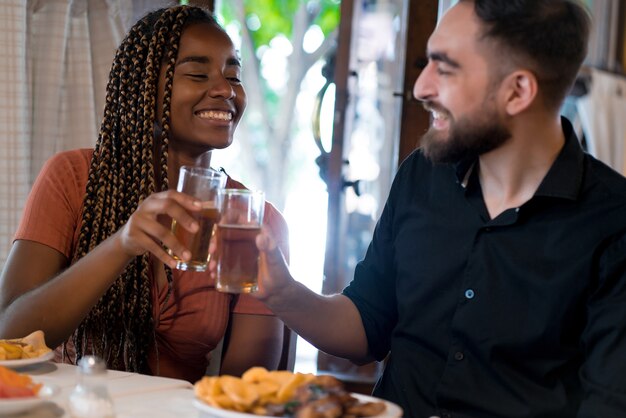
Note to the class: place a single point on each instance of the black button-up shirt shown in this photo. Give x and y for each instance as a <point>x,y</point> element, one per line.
<point>523,315</point>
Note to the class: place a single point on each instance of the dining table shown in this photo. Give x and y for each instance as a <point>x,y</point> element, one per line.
<point>134,395</point>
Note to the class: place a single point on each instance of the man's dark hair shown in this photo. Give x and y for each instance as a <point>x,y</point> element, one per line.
<point>547,37</point>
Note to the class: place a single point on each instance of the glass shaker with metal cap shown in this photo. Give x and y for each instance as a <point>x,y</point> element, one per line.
<point>90,398</point>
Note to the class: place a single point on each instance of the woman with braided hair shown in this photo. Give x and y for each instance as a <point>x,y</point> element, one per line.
<point>88,265</point>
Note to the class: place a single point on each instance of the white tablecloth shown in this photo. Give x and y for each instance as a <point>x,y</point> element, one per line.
<point>134,395</point>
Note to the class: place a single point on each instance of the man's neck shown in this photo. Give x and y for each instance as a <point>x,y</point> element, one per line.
<point>510,175</point>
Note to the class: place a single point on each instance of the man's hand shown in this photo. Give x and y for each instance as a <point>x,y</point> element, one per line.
<point>274,275</point>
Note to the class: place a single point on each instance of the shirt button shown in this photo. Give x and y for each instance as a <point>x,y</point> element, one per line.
<point>469,294</point>
<point>459,356</point>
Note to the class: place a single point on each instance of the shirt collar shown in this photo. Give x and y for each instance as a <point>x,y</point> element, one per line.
<point>564,178</point>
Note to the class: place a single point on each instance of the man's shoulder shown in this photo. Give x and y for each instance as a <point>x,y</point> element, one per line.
<point>605,179</point>
<point>417,168</point>
<point>415,161</point>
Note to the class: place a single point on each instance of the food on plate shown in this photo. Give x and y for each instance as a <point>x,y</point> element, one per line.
<point>282,393</point>
<point>325,397</point>
<point>255,388</point>
<point>31,346</point>
<point>16,385</point>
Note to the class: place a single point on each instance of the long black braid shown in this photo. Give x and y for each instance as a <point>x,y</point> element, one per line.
<point>120,327</point>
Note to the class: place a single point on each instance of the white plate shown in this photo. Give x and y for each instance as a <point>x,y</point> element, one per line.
<point>391,411</point>
<point>27,361</point>
<point>13,406</point>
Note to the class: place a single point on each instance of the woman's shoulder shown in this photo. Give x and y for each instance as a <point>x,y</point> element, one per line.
<point>67,173</point>
<point>74,163</point>
<point>80,157</point>
<point>53,209</point>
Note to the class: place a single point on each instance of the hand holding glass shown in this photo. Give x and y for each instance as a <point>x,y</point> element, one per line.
<point>237,253</point>
<point>203,184</point>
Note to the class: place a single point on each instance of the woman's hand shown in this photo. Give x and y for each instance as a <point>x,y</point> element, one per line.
<point>148,228</point>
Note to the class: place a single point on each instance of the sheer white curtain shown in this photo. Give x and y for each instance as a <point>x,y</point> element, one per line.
<point>56,59</point>
<point>604,37</point>
<point>601,114</point>
<point>602,110</point>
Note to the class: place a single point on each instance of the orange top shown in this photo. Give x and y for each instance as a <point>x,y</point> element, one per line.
<point>196,315</point>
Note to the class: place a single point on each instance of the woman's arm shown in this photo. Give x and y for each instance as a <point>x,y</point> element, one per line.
<point>254,340</point>
<point>36,293</point>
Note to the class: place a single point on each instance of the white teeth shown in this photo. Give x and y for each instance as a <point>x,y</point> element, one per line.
<point>437,115</point>
<point>216,114</point>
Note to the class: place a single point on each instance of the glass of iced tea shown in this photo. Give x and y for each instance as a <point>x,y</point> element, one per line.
<point>237,255</point>
<point>203,184</point>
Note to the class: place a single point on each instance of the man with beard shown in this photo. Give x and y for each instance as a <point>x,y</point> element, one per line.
<point>495,282</point>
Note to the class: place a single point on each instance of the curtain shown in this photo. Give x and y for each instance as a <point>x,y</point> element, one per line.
<point>601,113</point>
<point>15,125</point>
<point>604,37</point>
<point>57,56</point>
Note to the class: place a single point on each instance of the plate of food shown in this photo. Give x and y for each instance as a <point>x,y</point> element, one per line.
<point>27,361</point>
<point>284,394</point>
<point>18,392</point>
<point>20,352</point>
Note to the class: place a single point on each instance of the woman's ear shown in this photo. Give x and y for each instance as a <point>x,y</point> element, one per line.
<point>520,91</point>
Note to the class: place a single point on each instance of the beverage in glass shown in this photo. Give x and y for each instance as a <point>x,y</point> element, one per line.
<point>204,184</point>
<point>237,253</point>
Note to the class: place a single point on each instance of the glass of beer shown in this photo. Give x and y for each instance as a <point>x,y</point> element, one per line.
<point>236,253</point>
<point>203,184</point>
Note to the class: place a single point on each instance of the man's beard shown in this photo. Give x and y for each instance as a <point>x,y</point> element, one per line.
<point>468,137</point>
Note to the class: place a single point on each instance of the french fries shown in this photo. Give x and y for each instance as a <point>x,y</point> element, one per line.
<point>31,346</point>
<point>256,388</point>
<point>282,393</point>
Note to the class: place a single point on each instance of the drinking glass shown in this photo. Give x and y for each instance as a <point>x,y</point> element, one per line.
<point>203,184</point>
<point>236,252</point>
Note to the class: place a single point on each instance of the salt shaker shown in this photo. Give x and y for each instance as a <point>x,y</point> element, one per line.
<point>90,398</point>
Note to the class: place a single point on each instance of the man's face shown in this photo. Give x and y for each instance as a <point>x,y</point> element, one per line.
<point>471,135</point>
<point>455,87</point>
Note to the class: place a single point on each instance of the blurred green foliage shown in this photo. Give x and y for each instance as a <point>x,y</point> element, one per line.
<point>276,16</point>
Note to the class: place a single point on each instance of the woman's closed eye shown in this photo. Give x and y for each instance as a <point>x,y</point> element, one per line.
<point>201,77</point>
<point>198,76</point>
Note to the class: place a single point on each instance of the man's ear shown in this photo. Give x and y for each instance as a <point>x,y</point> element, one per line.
<point>519,91</point>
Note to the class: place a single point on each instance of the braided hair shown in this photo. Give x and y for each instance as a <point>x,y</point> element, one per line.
<point>120,327</point>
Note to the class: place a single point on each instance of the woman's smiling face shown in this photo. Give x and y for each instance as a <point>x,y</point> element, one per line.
<point>207,96</point>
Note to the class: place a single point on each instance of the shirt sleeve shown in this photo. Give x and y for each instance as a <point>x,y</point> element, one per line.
<point>54,205</point>
<point>372,289</point>
<point>603,373</point>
